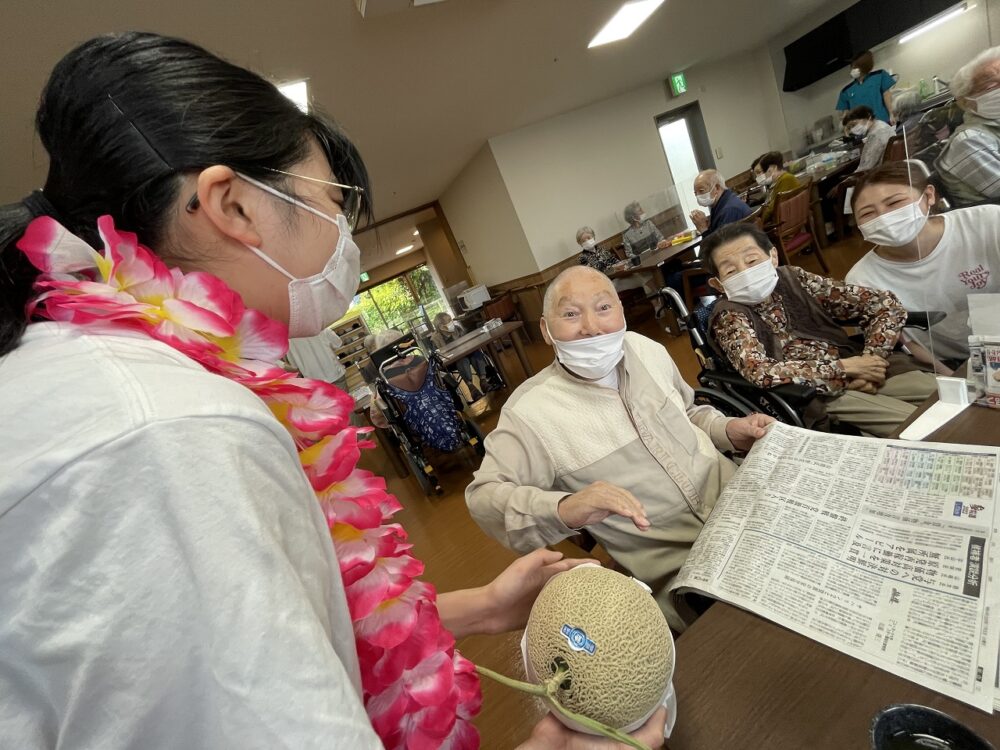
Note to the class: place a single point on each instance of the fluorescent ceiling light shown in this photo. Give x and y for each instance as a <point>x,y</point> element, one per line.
<point>937,21</point>
<point>405,249</point>
<point>416,232</point>
<point>298,92</point>
<point>628,18</point>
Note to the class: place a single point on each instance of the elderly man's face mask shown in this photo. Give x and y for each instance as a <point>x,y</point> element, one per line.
<point>586,326</point>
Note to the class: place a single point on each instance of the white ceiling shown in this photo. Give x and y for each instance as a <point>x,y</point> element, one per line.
<point>420,90</point>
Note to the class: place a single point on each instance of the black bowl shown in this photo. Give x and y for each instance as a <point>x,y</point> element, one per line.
<point>908,725</point>
<point>635,260</point>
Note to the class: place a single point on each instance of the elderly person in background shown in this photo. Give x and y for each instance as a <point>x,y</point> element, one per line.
<point>606,262</point>
<point>642,234</point>
<point>861,123</point>
<point>607,437</point>
<point>869,88</point>
<point>969,166</point>
<point>724,205</point>
<point>770,171</point>
<point>446,330</point>
<point>784,325</point>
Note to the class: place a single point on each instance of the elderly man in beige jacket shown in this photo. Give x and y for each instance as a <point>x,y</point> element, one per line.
<point>608,438</point>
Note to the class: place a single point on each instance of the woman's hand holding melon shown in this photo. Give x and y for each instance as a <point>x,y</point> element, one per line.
<point>550,734</point>
<point>596,502</point>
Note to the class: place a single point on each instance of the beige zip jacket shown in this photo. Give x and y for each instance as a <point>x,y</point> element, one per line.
<point>557,434</point>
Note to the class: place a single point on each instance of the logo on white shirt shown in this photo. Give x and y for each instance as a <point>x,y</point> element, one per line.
<point>976,278</point>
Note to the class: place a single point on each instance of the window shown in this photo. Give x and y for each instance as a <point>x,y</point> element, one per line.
<point>404,302</point>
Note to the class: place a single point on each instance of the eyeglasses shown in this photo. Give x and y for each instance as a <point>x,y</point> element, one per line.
<point>350,207</point>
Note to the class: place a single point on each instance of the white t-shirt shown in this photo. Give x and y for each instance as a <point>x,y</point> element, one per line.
<point>166,576</point>
<point>315,357</point>
<point>966,261</point>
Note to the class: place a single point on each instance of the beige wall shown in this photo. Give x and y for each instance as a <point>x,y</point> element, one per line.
<point>581,168</point>
<point>479,210</point>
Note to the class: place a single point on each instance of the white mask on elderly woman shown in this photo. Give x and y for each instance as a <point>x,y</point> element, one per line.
<point>641,218</point>
<point>589,244</point>
<point>988,105</point>
<point>752,285</point>
<point>860,130</point>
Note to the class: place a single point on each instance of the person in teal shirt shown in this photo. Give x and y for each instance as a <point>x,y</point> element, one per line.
<point>869,88</point>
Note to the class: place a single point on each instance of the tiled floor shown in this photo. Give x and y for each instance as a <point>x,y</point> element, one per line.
<point>457,554</point>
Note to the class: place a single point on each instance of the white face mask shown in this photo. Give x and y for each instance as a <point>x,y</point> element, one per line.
<point>988,105</point>
<point>589,244</point>
<point>705,199</point>
<point>859,130</point>
<point>897,227</point>
<point>855,72</point>
<point>762,179</point>
<point>592,358</point>
<point>640,218</point>
<point>753,285</point>
<point>321,299</point>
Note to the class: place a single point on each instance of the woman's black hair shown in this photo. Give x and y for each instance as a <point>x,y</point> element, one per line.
<point>771,159</point>
<point>123,116</point>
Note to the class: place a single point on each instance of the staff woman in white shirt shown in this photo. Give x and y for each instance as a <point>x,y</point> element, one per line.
<point>931,262</point>
<point>167,577</point>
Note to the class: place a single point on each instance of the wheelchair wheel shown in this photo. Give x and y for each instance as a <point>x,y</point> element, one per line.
<point>424,474</point>
<point>728,405</point>
<point>476,437</point>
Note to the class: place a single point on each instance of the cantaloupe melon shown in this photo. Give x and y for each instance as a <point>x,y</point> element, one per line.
<point>607,632</point>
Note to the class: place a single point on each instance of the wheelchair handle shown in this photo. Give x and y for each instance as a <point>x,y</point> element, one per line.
<point>672,298</point>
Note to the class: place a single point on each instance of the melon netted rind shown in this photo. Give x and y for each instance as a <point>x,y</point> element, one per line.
<point>627,675</point>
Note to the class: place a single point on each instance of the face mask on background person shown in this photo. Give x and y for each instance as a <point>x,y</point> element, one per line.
<point>988,105</point>
<point>641,218</point>
<point>705,199</point>
<point>316,301</point>
<point>589,244</point>
<point>860,130</point>
<point>753,285</point>
<point>592,358</point>
<point>855,73</point>
<point>897,227</point>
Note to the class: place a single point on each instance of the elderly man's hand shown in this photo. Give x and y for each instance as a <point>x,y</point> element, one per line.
<point>744,431</point>
<point>550,734</point>
<point>699,220</point>
<point>862,385</point>
<point>868,366</point>
<point>596,502</point>
<point>663,244</point>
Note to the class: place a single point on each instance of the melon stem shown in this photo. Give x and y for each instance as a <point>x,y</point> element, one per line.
<point>548,691</point>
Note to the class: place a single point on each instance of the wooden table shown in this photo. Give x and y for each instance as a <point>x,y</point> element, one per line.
<point>978,425</point>
<point>478,339</point>
<point>651,259</point>
<point>744,682</point>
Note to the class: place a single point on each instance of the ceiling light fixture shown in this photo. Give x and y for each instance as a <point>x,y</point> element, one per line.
<point>405,249</point>
<point>298,92</point>
<point>628,18</point>
<point>936,21</point>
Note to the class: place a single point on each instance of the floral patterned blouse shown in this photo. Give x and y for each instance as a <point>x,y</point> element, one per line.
<point>808,361</point>
<point>598,258</point>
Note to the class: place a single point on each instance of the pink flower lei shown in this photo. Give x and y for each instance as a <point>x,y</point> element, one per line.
<point>420,693</point>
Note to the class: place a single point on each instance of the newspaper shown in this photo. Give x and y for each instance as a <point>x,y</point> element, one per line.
<point>881,549</point>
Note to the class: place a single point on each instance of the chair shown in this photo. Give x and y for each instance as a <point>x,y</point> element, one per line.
<point>895,149</point>
<point>840,193</point>
<point>502,307</point>
<point>793,230</point>
<point>754,217</point>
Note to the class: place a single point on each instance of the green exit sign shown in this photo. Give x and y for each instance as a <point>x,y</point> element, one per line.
<point>364,276</point>
<point>678,84</point>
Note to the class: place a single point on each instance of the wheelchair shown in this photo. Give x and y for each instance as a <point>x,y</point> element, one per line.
<point>424,410</point>
<point>733,395</point>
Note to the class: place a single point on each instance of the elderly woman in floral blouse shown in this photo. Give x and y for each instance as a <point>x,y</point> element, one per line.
<point>785,325</point>
<point>605,261</point>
